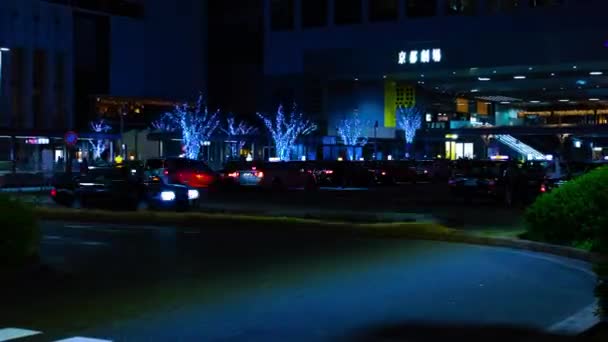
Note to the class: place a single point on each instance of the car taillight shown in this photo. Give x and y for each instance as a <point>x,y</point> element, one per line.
<point>259,174</point>
<point>165,172</point>
<point>329,172</point>
<point>233,175</point>
<point>53,192</point>
<point>543,188</point>
<point>383,173</point>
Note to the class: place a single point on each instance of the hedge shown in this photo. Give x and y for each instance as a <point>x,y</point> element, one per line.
<point>574,214</point>
<point>19,233</point>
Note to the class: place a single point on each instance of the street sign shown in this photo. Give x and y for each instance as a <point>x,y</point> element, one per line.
<point>70,138</point>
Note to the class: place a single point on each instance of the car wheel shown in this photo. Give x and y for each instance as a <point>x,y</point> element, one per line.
<point>142,206</point>
<point>310,185</point>
<point>508,197</point>
<point>277,185</point>
<point>76,203</point>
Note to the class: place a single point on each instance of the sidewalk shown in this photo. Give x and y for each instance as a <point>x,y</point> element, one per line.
<point>267,209</point>
<point>31,189</point>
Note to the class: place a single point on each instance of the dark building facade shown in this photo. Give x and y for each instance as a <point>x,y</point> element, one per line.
<point>471,66</point>
<point>59,59</point>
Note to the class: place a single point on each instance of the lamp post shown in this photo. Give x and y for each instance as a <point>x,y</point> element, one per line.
<point>376,140</point>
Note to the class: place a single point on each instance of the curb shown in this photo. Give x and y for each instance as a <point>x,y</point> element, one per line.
<point>410,230</point>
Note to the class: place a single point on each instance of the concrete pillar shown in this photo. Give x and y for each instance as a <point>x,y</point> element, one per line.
<point>6,112</point>
<point>441,6</point>
<point>297,15</point>
<point>365,11</point>
<point>267,13</point>
<point>27,87</point>
<point>49,107</point>
<point>331,17</point>
<point>68,68</point>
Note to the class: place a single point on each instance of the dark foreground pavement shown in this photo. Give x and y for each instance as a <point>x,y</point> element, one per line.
<point>125,283</point>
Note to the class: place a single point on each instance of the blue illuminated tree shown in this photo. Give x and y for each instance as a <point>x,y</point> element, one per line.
<point>99,145</point>
<point>163,124</point>
<point>352,133</point>
<point>195,124</point>
<point>285,129</point>
<point>409,119</point>
<point>238,131</point>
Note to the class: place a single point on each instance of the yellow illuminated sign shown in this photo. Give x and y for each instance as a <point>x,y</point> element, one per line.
<point>396,95</point>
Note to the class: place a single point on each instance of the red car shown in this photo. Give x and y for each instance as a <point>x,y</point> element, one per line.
<point>193,173</point>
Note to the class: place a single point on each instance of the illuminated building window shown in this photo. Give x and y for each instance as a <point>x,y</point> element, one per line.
<point>462,7</point>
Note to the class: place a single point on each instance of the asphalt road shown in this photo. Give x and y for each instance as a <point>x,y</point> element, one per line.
<point>124,283</point>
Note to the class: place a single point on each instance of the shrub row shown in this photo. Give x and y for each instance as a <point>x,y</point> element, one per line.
<point>574,214</point>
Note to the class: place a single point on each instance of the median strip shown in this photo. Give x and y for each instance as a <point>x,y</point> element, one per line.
<point>409,230</point>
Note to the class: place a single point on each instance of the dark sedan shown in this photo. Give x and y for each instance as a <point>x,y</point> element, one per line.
<point>123,188</point>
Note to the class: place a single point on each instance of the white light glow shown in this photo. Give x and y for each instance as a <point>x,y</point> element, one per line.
<point>549,157</point>
<point>520,77</point>
<point>15,333</point>
<point>167,196</point>
<point>193,194</point>
<point>484,79</point>
<point>534,101</point>
<point>598,149</point>
<point>425,56</point>
<point>596,73</point>
<point>505,102</point>
<point>274,159</point>
<point>578,144</point>
<point>303,158</point>
<point>594,99</point>
<point>389,157</point>
<point>361,159</point>
<point>564,100</point>
<point>437,55</point>
<point>474,90</point>
<point>402,58</point>
<point>413,57</point>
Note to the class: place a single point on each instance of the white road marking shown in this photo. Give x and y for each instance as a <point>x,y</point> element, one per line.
<point>92,243</point>
<point>577,323</point>
<point>7,334</point>
<point>52,237</point>
<point>75,226</point>
<point>82,339</point>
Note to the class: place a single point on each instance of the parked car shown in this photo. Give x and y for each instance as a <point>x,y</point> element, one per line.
<point>474,178</point>
<point>189,172</point>
<point>344,174</point>
<point>242,173</point>
<point>288,175</point>
<point>123,188</point>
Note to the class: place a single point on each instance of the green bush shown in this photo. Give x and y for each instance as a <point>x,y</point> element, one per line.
<point>574,214</point>
<point>19,232</point>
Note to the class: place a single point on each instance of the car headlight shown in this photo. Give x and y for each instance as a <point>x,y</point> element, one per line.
<point>167,196</point>
<point>193,194</point>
